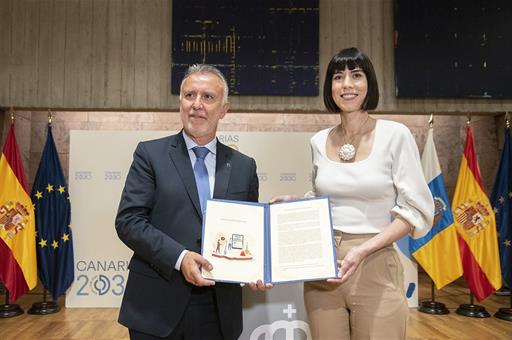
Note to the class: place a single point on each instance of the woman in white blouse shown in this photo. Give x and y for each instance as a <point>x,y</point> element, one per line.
<point>371,171</point>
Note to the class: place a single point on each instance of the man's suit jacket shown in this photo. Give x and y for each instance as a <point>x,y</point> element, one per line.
<point>159,216</point>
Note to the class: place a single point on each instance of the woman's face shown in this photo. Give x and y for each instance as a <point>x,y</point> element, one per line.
<point>349,89</point>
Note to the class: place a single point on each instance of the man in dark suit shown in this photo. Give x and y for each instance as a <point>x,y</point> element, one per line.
<point>160,218</point>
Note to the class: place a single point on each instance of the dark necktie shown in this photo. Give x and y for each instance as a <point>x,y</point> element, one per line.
<point>201,175</point>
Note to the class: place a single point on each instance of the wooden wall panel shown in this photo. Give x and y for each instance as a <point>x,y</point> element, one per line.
<point>382,51</point>
<point>72,51</point>
<point>154,39</point>
<point>128,23</point>
<point>17,62</point>
<point>31,43</point>
<point>5,50</point>
<point>116,54</point>
<point>141,61</point>
<point>58,53</point>
<point>113,67</point>
<point>164,71</point>
<point>99,53</point>
<point>43,53</point>
<point>84,53</point>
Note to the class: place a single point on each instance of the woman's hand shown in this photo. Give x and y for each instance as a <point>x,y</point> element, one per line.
<point>348,265</point>
<point>258,285</point>
<point>283,198</point>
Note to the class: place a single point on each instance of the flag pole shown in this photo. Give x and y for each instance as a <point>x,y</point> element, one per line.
<point>9,310</point>
<point>45,307</point>
<point>11,111</point>
<point>432,306</point>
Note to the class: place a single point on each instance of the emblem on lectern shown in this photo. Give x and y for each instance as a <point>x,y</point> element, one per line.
<point>288,326</point>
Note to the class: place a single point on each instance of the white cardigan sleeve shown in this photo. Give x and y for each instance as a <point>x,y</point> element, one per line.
<point>414,201</point>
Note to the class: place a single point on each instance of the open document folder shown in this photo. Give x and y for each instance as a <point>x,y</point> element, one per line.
<point>277,243</point>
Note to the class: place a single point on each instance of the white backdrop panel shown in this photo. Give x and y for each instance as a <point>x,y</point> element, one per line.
<point>99,162</point>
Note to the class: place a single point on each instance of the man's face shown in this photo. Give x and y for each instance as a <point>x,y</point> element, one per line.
<point>201,106</point>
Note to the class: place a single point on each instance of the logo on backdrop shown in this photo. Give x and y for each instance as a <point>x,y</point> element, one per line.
<point>262,176</point>
<point>282,325</point>
<point>83,175</point>
<point>101,277</point>
<point>287,177</point>
<point>230,140</point>
<point>112,176</point>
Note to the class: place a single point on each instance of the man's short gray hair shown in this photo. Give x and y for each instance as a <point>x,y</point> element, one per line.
<point>205,68</point>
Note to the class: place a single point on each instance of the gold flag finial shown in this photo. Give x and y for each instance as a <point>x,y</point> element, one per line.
<point>50,116</point>
<point>469,119</point>
<point>11,111</point>
<point>431,120</point>
<point>507,120</point>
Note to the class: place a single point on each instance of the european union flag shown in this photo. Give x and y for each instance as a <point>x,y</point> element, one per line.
<point>53,229</point>
<point>501,200</point>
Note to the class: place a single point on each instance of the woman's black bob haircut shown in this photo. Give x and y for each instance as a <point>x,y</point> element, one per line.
<point>351,58</point>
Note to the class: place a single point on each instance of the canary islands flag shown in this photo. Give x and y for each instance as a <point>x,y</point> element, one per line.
<point>438,251</point>
<point>18,269</point>
<point>53,214</point>
<point>476,226</point>
<point>501,199</point>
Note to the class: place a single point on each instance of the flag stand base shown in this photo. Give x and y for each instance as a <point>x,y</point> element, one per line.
<point>43,308</point>
<point>472,311</point>
<point>504,314</point>
<point>433,307</point>
<point>10,310</point>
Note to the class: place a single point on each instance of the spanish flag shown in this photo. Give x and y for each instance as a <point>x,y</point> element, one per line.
<point>18,266</point>
<point>476,227</point>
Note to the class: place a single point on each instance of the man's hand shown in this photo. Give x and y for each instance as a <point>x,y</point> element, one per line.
<point>191,269</point>
<point>283,198</point>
